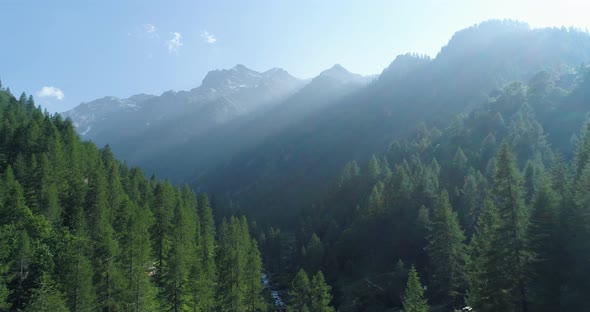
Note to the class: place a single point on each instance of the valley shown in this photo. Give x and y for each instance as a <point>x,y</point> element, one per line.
<point>444,182</point>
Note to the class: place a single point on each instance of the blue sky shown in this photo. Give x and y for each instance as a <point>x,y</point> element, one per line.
<point>67,52</point>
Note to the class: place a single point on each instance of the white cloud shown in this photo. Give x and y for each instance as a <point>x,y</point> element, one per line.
<point>148,31</point>
<point>207,37</point>
<point>174,43</point>
<point>149,28</point>
<point>50,92</point>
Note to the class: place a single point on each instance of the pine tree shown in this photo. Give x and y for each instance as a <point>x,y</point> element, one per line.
<point>20,168</point>
<point>472,193</point>
<point>253,279</point>
<point>20,280</point>
<point>447,252</point>
<point>376,203</point>
<point>374,168</point>
<point>414,297</point>
<point>161,232</point>
<point>299,293</point>
<point>5,234</point>
<point>532,172</point>
<point>76,181</point>
<point>225,266</point>
<point>175,292</point>
<point>399,278</point>
<point>545,243</point>
<point>459,167</point>
<point>243,247</point>
<point>320,294</point>
<point>512,235</point>
<point>350,171</point>
<point>487,150</point>
<point>76,269</point>
<point>50,205</point>
<point>108,275</point>
<point>399,198</point>
<point>385,169</point>
<point>583,153</point>
<point>314,254</point>
<point>576,220</point>
<point>189,200</point>
<point>47,298</point>
<point>234,244</point>
<point>427,187</point>
<point>21,273</point>
<point>207,258</point>
<point>12,207</point>
<point>482,267</point>
<point>137,260</point>
<point>118,213</point>
<point>421,231</point>
<point>31,185</point>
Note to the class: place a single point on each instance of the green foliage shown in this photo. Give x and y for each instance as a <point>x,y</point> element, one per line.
<point>320,294</point>
<point>76,270</point>
<point>511,241</point>
<point>314,254</point>
<point>82,232</point>
<point>239,268</point>
<point>545,242</point>
<point>532,174</point>
<point>519,251</point>
<point>414,298</point>
<point>175,275</point>
<point>376,203</point>
<point>472,195</point>
<point>350,171</point>
<point>576,217</point>
<point>299,292</point>
<point>252,277</point>
<point>374,170</point>
<point>483,269</point>
<point>206,242</point>
<point>448,254</point>
<point>47,298</point>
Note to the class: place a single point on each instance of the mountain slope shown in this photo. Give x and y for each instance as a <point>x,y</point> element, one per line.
<point>384,214</point>
<point>270,143</point>
<point>81,231</point>
<point>292,168</point>
<point>87,116</point>
<point>232,110</point>
<point>223,96</point>
<point>217,146</point>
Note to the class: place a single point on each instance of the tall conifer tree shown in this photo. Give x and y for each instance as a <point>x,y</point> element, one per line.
<point>414,298</point>
<point>448,253</point>
<point>512,243</point>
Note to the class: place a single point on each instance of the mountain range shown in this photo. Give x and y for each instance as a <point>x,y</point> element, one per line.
<point>272,142</point>
<point>231,109</point>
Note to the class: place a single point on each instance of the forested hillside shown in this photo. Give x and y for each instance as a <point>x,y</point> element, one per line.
<point>294,167</point>
<point>267,143</point>
<point>80,231</point>
<point>492,210</point>
<point>232,110</point>
<point>460,180</point>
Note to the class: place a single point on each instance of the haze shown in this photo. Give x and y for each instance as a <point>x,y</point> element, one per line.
<point>300,156</point>
<point>88,49</point>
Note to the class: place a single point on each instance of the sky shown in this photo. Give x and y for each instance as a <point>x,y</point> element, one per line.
<point>65,52</point>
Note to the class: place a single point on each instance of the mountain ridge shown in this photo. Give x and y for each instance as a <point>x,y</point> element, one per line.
<point>268,151</point>
<point>414,89</point>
